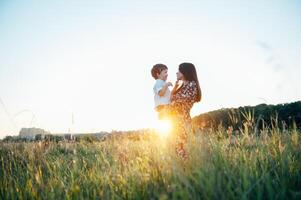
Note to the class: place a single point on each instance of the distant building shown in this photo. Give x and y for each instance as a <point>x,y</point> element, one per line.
<point>30,133</point>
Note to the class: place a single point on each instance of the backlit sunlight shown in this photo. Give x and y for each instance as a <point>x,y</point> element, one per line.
<point>164,127</point>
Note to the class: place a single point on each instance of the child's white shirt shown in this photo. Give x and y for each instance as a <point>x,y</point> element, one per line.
<point>161,100</point>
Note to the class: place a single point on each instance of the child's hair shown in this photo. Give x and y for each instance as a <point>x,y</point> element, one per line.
<point>157,69</point>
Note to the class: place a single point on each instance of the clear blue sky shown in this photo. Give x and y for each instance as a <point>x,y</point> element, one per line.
<point>92,59</point>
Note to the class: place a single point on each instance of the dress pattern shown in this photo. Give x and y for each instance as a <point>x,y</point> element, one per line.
<point>181,103</point>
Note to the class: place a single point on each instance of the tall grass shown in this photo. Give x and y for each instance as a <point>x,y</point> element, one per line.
<point>221,165</point>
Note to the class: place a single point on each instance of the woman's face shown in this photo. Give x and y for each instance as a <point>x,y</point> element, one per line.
<point>180,76</point>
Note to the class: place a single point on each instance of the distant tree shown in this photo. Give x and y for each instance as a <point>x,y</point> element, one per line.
<point>88,138</point>
<point>284,115</point>
<point>8,139</point>
<point>56,138</point>
<point>38,137</point>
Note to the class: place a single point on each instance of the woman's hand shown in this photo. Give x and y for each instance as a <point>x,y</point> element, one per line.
<point>177,83</point>
<point>175,88</point>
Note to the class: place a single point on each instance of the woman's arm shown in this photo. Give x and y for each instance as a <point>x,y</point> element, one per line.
<point>174,90</point>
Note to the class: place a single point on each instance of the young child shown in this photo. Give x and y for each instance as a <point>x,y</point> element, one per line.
<point>161,90</point>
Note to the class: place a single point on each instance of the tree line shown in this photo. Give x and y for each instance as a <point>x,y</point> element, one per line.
<point>286,115</point>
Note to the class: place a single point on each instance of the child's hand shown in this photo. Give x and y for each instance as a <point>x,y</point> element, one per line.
<point>168,84</point>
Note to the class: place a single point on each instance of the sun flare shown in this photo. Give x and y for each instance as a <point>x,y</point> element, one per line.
<point>164,127</point>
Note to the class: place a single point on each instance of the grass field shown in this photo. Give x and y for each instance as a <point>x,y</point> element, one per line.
<point>221,165</point>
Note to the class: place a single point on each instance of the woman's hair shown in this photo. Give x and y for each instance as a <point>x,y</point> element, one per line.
<point>189,72</point>
<point>157,69</point>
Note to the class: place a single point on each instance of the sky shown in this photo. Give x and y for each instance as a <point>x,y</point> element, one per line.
<point>84,66</point>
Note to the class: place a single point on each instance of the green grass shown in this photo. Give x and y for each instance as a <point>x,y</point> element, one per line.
<point>220,166</point>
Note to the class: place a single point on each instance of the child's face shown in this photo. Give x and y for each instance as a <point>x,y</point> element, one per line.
<point>180,76</point>
<point>163,75</point>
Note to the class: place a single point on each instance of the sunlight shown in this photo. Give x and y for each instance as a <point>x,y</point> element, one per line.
<point>164,127</point>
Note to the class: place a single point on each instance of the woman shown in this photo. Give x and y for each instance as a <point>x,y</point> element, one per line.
<point>183,96</point>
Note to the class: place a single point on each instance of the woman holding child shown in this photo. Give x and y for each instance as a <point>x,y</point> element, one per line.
<point>185,93</point>
<point>177,103</point>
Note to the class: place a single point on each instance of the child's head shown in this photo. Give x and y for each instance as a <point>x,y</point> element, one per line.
<point>159,71</point>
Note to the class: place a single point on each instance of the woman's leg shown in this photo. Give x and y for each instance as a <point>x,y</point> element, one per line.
<point>181,140</point>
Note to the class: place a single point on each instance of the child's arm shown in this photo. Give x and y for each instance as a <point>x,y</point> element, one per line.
<point>164,88</point>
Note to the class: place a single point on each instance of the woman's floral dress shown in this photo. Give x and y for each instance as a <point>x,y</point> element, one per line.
<point>181,104</point>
